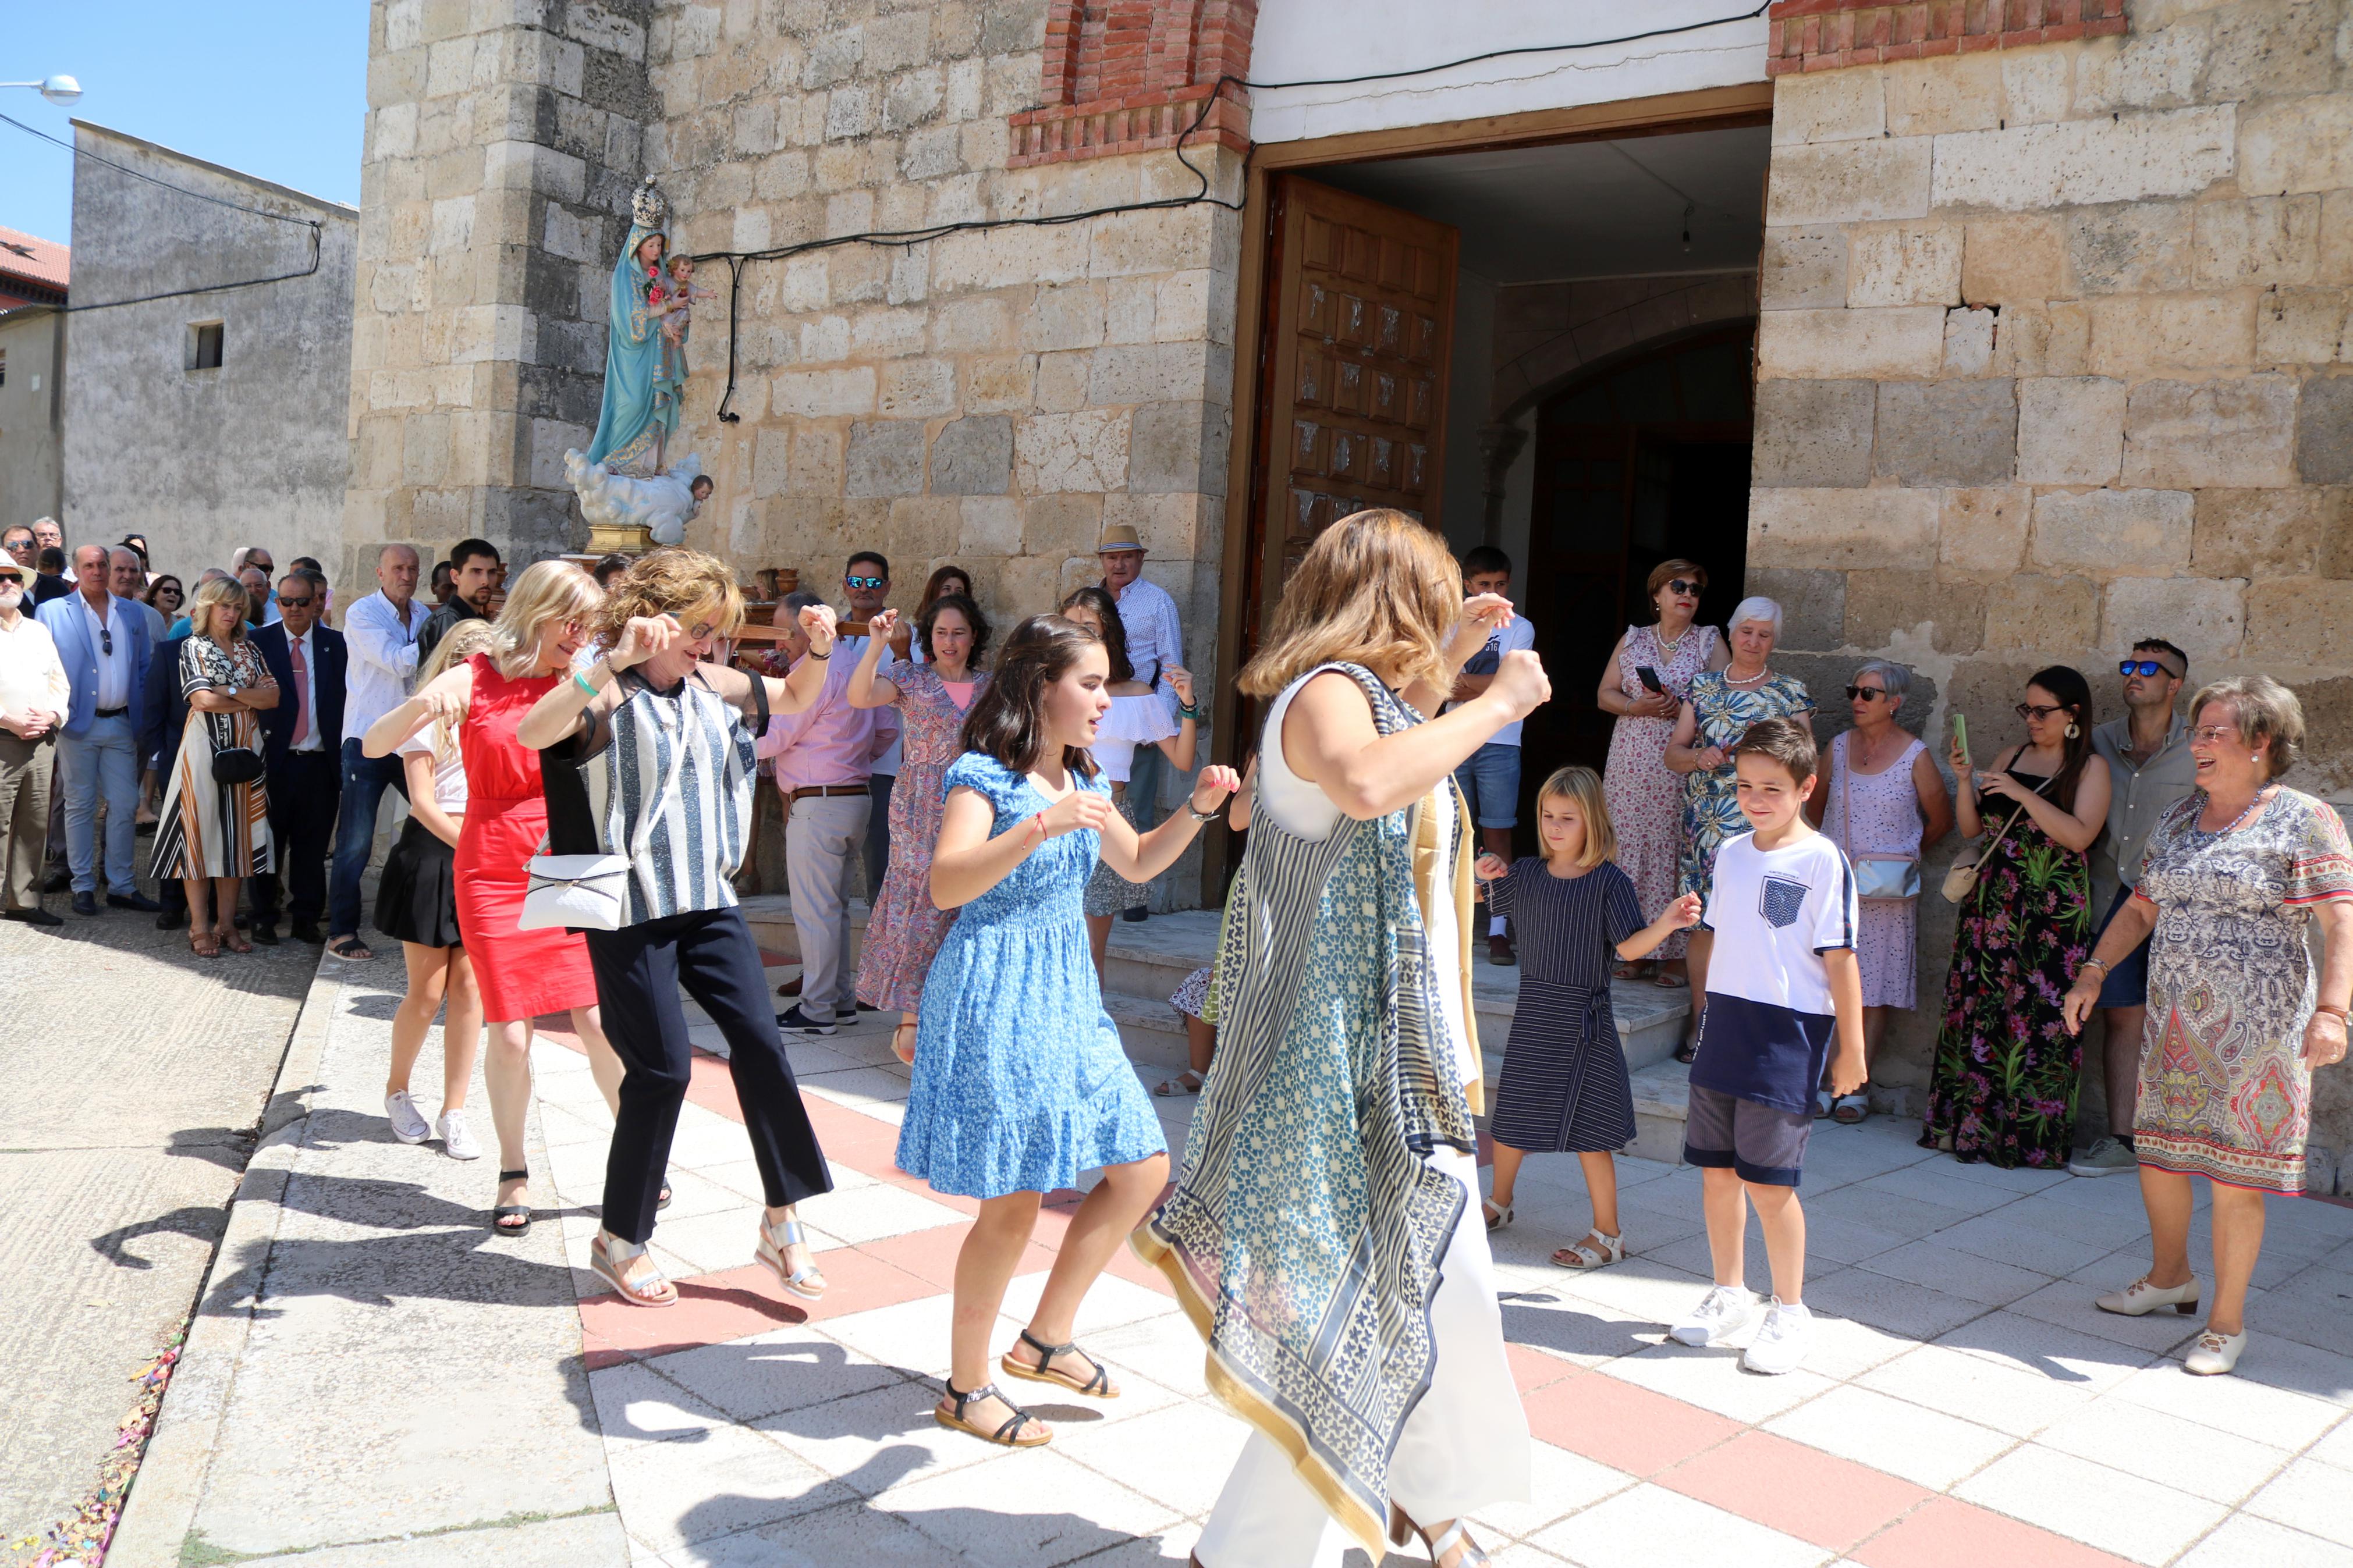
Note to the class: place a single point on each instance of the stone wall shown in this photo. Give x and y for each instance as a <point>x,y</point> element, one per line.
<point>993,397</point>
<point>203,460</point>
<point>503,143</point>
<point>32,425</point>
<point>2052,356</point>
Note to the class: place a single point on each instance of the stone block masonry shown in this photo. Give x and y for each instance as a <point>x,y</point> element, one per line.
<point>2053,353</point>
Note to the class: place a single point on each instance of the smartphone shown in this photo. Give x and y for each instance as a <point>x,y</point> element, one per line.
<point>1961,733</point>
<point>1650,677</point>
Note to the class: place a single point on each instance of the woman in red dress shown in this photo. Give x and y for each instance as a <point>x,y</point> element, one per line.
<point>521,974</point>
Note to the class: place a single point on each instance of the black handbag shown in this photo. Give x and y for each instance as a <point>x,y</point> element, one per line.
<point>237,765</point>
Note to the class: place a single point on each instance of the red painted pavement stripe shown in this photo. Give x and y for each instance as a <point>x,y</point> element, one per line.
<point>1796,1489</point>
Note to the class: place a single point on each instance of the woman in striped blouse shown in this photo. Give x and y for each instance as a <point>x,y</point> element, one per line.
<point>674,734</point>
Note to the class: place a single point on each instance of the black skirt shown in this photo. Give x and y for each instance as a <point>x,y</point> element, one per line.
<point>417,898</point>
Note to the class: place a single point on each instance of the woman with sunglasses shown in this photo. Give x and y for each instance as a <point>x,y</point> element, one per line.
<point>2002,1088</point>
<point>522,974</point>
<point>1885,805</point>
<point>1644,797</point>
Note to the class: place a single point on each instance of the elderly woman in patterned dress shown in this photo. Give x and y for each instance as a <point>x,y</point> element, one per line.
<point>2231,879</point>
<point>1644,797</point>
<point>1719,710</point>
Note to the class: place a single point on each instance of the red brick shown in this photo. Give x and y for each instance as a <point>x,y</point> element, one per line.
<point>1796,1489</point>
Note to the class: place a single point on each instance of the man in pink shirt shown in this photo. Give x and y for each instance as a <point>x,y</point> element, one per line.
<point>824,756</point>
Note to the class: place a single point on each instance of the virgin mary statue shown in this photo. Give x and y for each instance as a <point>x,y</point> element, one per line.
<point>636,418</point>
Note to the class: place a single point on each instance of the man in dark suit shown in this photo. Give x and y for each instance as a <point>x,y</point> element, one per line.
<point>302,740</point>
<point>160,729</point>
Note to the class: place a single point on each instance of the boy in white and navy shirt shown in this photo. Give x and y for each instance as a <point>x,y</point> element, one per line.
<point>1782,981</point>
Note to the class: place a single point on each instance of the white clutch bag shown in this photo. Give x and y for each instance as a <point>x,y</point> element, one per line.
<point>586,893</point>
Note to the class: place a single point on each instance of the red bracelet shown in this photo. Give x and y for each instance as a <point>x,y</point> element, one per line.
<point>1039,822</point>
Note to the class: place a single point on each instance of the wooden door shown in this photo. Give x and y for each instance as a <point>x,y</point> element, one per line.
<point>1352,407</point>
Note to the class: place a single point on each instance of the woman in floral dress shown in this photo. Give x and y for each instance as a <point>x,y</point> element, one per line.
<point>2232,880</point>
<point>1719,708</point>
<point>904,929</point>
<point>1645,799</point>
<point>2002,1088</point>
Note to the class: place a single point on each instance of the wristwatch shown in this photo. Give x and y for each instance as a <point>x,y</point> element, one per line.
<point>1208,815</point>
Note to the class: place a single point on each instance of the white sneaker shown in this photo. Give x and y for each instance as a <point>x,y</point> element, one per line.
<point>456,1138</point>
<point>1780,1344</point>
<point>1723,1312</point>
<point>408,1123</point>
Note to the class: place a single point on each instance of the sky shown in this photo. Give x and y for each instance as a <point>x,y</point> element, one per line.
<point>272,88</point>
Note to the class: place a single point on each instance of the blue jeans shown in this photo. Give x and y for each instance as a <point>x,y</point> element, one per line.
<point>1490,778</point>
<point>102,758</point>
<point>365,780</point>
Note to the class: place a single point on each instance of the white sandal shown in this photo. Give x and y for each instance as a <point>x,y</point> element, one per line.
<point>807,1283</point>
<point>1448,1539</point>
<point>1585,1255</point>
<point>1498,1215</point>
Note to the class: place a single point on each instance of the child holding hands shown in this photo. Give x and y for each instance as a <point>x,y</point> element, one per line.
<point>1783,980</point>
<point>1564,1086</point>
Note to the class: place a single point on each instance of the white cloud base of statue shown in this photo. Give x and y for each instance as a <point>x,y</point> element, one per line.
<point>617,503</point>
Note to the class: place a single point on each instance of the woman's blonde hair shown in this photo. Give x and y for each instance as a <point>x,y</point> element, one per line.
<point>1581,787</point>
<point>2268,715</point>
<point>458,645</point>
<point>217,591</point>
<point>1377,588</point>
<point>548,591</point>
<point>671,583</point>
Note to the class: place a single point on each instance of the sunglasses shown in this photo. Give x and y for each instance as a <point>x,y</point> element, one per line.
<point>1864,693</point>
<point>105,641</point>
<point>865,582</point>
<point>1684,586</point>
<point>286,603</point>
<point>2036,712</point>
<point>2144,666</point>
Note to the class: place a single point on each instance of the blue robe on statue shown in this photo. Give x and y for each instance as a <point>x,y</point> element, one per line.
<point>633,415</point>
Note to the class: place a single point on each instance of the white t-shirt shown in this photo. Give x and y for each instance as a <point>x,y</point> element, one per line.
<point>448,773</point>
<point>1766,1030</point>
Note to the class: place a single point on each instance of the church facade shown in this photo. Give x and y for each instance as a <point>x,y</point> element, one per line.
<point>1981,336</point>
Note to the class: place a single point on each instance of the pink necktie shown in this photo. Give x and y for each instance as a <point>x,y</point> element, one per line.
<point>302,693</point>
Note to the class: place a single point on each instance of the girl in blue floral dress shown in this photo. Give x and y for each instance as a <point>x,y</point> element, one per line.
<point>1020,1083</point>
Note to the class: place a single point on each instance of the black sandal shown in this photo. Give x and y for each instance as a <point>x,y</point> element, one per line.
<point>1007,1435</point>
<point>1098,1386</point>
<point>504,1212</point>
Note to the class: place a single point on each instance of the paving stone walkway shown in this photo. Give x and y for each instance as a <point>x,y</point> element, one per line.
<point>377,1380</point>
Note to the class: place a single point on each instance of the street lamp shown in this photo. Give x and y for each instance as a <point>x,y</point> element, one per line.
<point>57,90</point>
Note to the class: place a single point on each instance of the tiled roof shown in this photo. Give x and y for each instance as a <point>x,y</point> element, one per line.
<point>42,261</point>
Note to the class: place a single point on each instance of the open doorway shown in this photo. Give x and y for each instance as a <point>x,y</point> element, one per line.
<point>1560,334</point>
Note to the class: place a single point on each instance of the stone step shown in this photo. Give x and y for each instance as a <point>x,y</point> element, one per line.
<point>1661,1101</point>
<point>1147,961</point>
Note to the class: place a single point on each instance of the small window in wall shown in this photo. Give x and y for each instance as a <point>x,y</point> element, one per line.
<point>4,367</point>
<point>205,345</point>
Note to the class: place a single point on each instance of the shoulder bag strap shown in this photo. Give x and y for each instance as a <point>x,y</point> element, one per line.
<point>760,702</point>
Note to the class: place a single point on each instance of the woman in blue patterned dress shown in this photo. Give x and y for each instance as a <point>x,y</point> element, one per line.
<point>1020,1084</point>
<point>1722,705</point>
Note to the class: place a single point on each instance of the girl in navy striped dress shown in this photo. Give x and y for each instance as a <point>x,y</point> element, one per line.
<point>1564,1086</point>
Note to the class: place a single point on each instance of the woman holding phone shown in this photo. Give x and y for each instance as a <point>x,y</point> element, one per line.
<point>1645,682</point>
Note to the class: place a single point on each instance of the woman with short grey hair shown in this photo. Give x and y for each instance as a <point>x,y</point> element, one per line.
<point>2232,880</point>
<point>1723,704</point>
<point>1882,802</point>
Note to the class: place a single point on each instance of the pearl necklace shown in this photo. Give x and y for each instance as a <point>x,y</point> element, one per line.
<point>2225,832</point>
<point>1732,679</point>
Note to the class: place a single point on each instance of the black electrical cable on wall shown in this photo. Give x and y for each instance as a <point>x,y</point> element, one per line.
<point>903,239</point>
<point>69,309</point>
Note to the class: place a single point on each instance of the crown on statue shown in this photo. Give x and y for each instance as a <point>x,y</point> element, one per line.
<point>649,208</point>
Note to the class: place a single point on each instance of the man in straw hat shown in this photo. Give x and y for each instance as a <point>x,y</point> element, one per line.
<point>1154,643</point>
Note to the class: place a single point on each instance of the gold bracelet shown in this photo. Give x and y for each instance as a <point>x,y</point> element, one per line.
<point>2105,968</point>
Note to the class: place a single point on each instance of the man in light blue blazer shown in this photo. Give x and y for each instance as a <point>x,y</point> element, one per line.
<point>102,641</point>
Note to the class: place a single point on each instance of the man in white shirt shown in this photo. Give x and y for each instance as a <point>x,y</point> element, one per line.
<point>34,697</point>
<point>1489,777</point>
<point>380,635</point>
<point>303,740</point>
<point>1155,644</point>
<point>105,651</point>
